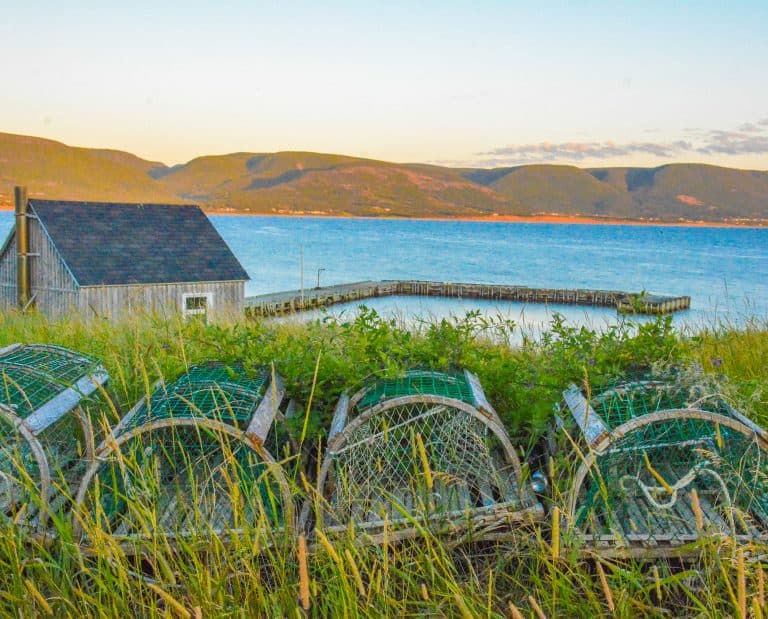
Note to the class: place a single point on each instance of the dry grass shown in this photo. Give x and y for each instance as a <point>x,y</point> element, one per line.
<point>279,576</point>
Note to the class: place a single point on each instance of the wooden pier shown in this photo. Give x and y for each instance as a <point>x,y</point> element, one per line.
<point>311,298</point>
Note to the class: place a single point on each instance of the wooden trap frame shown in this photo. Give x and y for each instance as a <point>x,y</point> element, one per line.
<point>198,458</point>
<point>46,438</point>
<point>662,464</point>
<point>424,450</point>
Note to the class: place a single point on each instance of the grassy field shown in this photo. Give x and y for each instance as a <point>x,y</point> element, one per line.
<point>428,576</point>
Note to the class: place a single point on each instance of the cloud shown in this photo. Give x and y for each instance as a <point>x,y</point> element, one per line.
<point>751,127</point>
<point>751,141</point>
<point>749,138</point>
<point>577,151</point>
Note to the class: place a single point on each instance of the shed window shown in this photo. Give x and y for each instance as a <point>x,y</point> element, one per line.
<point>196,303</point>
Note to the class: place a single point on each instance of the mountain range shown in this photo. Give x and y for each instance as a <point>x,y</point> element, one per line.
<point>321,184</point>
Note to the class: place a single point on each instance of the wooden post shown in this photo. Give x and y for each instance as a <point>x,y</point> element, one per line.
<point>302,276</point>
<point>22,247</point>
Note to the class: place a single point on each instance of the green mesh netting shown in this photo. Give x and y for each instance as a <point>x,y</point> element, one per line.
<point>223,392</point>
<point>452,385</point>
<point>190,480</point>
<point>63,446</point>
<point>30,377</point>
<point>379,470</point>
<point>641,485</point>
<point>185,481</point>
<point>34,374</point>
<point>631,400</point>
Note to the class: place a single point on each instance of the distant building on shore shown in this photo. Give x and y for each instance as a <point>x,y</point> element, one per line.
<point>109,260</point>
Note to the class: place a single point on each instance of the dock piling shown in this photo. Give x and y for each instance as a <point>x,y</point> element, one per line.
<point>625,302</point>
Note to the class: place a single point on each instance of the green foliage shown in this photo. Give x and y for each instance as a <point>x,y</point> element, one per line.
<point>427,576</point>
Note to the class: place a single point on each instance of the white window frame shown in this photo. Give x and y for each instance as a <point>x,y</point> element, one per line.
<point>196,312</point>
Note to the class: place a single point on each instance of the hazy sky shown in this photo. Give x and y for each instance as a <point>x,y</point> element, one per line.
<point>483,83</point>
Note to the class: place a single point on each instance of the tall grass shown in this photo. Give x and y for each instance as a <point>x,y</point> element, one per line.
<point>267,574</point>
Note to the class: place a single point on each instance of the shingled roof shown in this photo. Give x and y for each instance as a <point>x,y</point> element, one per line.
<point>106,243</point>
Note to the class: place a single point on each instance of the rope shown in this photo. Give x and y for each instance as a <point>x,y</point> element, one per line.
<point>681,484</point>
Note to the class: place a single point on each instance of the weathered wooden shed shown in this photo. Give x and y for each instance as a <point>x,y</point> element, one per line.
<point>111,259</point>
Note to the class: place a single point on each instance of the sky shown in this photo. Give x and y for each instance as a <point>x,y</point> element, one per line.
<point>478,83</point>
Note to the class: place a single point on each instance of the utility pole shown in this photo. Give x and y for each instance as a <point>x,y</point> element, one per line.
<point>302,275</point>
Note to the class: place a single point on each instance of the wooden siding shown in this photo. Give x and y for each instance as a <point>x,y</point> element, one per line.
<point>56,293</point>
<point>119,301</point>
<point>53,288</point>
<point>8,277</point>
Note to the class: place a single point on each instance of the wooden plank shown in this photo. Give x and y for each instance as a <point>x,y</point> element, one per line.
<point>637,519</point>
<point>610,521</point>
<point>446,496</point>
<point>173,506</point>
<point>463,496</point>
<point>688,518</point>
<point>65,401</point>
<point>479,395</point>
<point>673,521</point>
<point>712,514</point>
<point>340,414</point>
<point>264,416</point>
<point>211,511</point>
<point>664,522</point>
<point>293,409</point>
<point>9,349</point>
<point>746,522</point>
<point>747,422</point>
<point>592,426</point>
<point>171,516</point>
<point>504,479</point>
<point>486,493</point>
<point>222,515</point>
<point>761,517</point>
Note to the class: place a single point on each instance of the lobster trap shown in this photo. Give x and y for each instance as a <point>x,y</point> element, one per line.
<point>662,464</point>
<point>426,449</point>
<point>46,438</point>
<point>198,458</point>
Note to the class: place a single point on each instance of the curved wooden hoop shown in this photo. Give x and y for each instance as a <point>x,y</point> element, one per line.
<point>638,422</point>
<point>359,395</point>
<point>42,461</point>
<point>112,443</point>
<point>88,435</point>
<point>338,440</point>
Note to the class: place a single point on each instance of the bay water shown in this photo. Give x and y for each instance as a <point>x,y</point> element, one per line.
<point>724,270</point>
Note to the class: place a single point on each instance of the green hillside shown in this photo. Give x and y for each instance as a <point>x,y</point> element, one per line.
<point>323,184</point>
<point>695,191</point>
<point>53,170</point>
<point>555,189</point>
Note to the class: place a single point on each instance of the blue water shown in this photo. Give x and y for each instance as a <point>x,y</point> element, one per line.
<point>724,270</point>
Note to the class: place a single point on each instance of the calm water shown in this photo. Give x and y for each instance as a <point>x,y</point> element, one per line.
<point>724,270</point>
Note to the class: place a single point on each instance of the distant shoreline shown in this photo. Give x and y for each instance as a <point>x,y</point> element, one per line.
<point>533,219</point>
